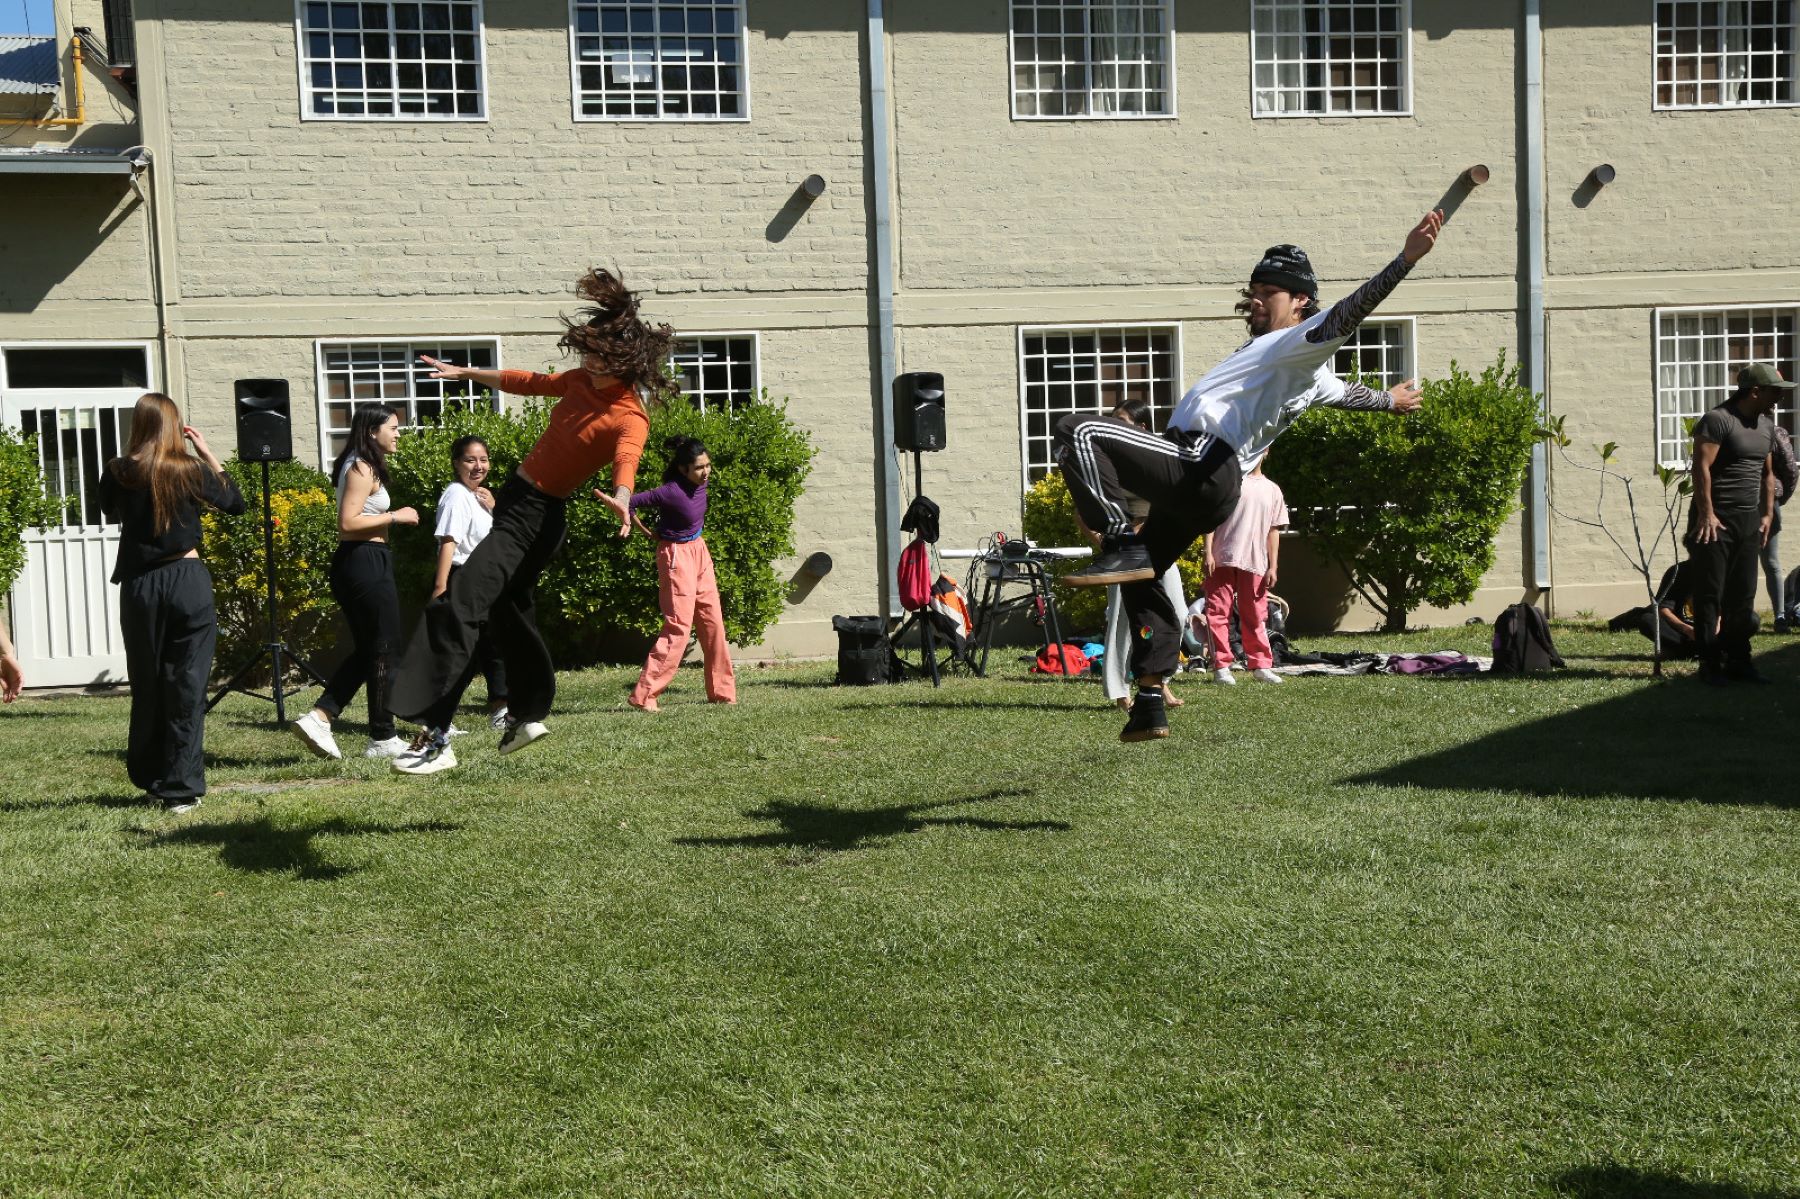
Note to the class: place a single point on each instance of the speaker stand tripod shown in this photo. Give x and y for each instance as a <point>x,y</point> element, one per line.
<point>921,618</point>
<point>276,650</point>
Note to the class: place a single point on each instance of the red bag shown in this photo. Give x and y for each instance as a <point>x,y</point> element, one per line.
<point>915,575</point>
<point>1061,659</point>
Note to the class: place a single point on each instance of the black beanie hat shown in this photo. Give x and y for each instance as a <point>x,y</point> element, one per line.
<point>1288,268</point>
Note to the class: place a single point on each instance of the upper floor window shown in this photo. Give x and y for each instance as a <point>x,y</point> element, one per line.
<point>659,59</point>
<point>718,371</point>
<point>397,60</point>
<point>1342,58</point>
<point>389,372</point>
<point>1090,370</point>
<point>1698,355</point>
<point>1380,351</point>
<point>1725,54</point>
<point>1092,58</point>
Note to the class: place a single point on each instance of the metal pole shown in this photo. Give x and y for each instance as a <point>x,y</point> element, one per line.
<point>275,685</point>
<point>881,168</point>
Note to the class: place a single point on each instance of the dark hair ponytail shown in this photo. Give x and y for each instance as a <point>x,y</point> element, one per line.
<point>683,452</point>
<point>361,443</point>
<point>462,444</point>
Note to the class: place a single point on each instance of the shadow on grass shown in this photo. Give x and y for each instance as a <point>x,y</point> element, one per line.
<point>1677,739</point>
<point>109,799</point>
<point>824,829</point>
<point>1623,1182</point>
<point>261,846</point>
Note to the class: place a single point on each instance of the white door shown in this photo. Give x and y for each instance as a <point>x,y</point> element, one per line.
<point>77,400</point>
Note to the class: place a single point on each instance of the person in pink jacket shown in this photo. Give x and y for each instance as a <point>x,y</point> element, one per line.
<point>1242,557</point>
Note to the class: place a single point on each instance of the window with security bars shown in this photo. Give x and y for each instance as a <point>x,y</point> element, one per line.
<point>1090,370</point>
<point>396,60</point>
<point>1380,352</point>
<point>389,372</point>
<point>1092,58</point>
<point>717,373</point>
<point>659,59</point>
<point>1725,55</point>
<point>1336,58</point>
<point>1698,356</point>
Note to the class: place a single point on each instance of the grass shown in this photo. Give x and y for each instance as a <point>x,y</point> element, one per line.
<point>1350,937</point>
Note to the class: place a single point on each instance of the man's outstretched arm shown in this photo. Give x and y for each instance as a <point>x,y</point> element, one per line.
<point>1355,308</point>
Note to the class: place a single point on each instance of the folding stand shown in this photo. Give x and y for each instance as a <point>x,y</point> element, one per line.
<point>1000,569</point>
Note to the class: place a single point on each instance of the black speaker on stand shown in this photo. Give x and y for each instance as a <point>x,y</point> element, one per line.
<point>919,429</point>
<point>265,434</point>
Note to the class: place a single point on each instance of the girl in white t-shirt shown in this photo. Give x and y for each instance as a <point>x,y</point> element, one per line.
<point>465,513</point>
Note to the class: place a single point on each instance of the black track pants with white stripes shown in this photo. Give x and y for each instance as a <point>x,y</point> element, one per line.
<point>1191,487</point>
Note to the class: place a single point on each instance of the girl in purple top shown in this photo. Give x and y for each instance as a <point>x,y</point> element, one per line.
<point>688,588</point>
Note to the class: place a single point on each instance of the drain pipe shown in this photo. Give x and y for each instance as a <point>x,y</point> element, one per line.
<point>140,165</point>
<point>887,472</point>
<point>1536,332</point>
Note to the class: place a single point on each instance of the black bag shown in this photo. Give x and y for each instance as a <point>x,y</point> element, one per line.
<point>865,655</point>
<point>1522,642</point>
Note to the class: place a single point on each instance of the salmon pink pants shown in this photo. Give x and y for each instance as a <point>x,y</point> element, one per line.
<point>1228,584</point>
<point>690,596</point>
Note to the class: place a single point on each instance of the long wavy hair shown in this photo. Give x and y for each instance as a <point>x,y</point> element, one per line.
<point>608,328</point>
<point>361,443</point>
<point>157,459</point>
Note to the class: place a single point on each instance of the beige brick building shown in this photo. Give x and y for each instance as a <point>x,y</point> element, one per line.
<point>1047,200</point>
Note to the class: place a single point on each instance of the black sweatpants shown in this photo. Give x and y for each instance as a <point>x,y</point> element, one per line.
<point>486,659</point>
<point>362,583</point>
<point>166,617</point>
<point>1191,484</point>
<point>493,591</point>
<point>1725,590</point>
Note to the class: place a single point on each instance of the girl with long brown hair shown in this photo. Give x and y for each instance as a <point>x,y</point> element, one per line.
<point>598,421</point>
<point>153,492</point>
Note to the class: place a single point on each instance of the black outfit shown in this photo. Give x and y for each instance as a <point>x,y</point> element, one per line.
<point>1725,568</point>
<point>493,591</point>
<point>486,659</point>
<point>169,627</point>
<point>1676,593</point>
<point>362,583</point>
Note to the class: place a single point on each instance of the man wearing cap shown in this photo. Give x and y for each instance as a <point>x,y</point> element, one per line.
<point>1734,505</point>
<point>1191,474</point>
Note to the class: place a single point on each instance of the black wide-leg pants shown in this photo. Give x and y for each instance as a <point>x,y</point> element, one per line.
<point>170,630</point>
<point>1725,590</point>
<point>494,590</point>
<point>1192,487</point>
<point>362,583</point>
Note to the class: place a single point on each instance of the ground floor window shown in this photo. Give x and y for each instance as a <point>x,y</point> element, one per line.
<point>1698,355</point>
<point>389,372</point>
<point>1380,351</point>
<point>718,371</point>
<point>1091,369</point>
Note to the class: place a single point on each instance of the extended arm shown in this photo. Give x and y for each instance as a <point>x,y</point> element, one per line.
<point>1354,308</point>
<point>12,678</point>
<point>1402,397</point>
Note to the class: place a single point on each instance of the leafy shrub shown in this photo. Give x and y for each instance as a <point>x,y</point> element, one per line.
<point>1410,506</point>
<point>1050,521</point>
<point>24,504</point>
<point>598,586</point>
<point>304,512</point>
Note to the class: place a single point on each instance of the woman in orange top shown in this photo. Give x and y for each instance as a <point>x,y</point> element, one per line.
<point>599,419</point>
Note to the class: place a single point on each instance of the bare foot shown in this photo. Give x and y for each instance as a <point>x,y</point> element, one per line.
<point>1169,700</point>
<point>1124,702</point>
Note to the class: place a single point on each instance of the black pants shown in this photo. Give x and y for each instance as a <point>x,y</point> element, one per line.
<point>362,582</point>
<point>1675,643</point>
<point>1725,590</point>
<point>166,616</point>
<point>493,592</point>
<point>1192,488</point>
<point>486,659</point>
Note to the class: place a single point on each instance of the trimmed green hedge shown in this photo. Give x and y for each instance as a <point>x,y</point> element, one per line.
<point>24,503</point>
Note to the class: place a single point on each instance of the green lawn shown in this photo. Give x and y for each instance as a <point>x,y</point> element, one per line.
<point>1345,937</point>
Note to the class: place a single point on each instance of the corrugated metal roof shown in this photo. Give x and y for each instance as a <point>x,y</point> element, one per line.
<point>27,65</point>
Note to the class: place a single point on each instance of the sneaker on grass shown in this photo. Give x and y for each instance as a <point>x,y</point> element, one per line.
<point>432,755</point>
<point>520,734</point>
<point>1223,675</point>
<point>393,747</point>
<point>1265,675</point>
<point>497,720</point>
<point>180,807</point>
<point>316,735</point>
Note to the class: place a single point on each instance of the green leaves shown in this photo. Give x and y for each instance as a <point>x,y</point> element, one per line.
<point>24,503</point>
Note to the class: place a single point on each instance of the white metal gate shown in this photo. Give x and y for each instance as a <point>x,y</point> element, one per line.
<point>65,612</point>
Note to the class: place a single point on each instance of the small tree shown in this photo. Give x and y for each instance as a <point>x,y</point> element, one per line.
<point>1410,506</point>
<point>24,503</point>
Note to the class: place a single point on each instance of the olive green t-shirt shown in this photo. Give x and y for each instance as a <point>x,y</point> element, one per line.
<point>1744,446</point>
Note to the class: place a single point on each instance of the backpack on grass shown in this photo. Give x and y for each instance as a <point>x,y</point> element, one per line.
<point>1522,642</point>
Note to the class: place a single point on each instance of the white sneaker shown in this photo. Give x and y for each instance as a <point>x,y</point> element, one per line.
<point>1223,675</point>
<point>433,756</point>
<point>1265,675</point>
<point>453,731</point>
<point>393,747</point>
<point>497,721</point>
<point>180,807</point>
<point>317,736</point>
<point>519,735</point>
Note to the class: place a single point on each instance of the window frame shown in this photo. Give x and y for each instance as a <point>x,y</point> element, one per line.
<point>755,354</point>
<point>321,401</point>
<point>1012,84</point>
<point>1410,324</point>
<point>575,92</point>
<point>1656,365</point>
<point>1408,108</point>
<point>302,62</point>
<point>1177,357</point>
<point>1656,104</point>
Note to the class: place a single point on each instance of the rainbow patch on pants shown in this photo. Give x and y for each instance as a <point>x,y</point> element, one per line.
<point>1144,632</point>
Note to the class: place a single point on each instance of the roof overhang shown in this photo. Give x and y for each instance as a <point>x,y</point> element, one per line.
<point>127,161</point>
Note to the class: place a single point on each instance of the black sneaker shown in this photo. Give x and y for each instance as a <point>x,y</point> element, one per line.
<point>1128,563</point>
<point>1149,719</point>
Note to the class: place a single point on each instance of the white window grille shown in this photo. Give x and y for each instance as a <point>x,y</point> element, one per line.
<point>389,372</point>
<point>1342,58</point>
<point>1698,355</point>
<point>659,59</point>
<point>1380,351</point>
<point>1091,370</point>
<point>719,371</point>
<point>1725,54</point>
<point>397,60</point>
<point>1093,58</point>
